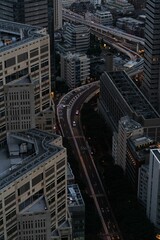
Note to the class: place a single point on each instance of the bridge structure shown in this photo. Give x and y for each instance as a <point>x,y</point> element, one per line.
<point>101,29</point>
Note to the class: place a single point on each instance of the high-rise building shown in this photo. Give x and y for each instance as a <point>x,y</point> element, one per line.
<point>24,60</point>
<point>33,187</point>
<point>153,191</point>
<point>151,83</point>
<point>78,36</point>
<point>33,12</point>
<point>75,69</point>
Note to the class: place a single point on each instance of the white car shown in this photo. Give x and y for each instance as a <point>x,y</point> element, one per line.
<point>74,124</point>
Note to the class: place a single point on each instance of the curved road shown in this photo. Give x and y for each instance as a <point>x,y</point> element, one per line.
<point>68,111</point>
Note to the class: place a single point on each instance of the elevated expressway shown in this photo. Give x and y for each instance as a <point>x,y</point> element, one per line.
<point>74,17</point>
<point>106,32</point>
<point>66,114</point>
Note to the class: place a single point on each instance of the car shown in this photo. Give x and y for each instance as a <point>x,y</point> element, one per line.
<point>102,210</point>
<point>77,112</point>
<point>74,124</point>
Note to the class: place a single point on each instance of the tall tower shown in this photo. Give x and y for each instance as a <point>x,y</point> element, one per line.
<point>151,84</point>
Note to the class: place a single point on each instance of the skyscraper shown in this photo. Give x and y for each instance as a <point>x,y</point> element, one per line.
<point>151,83</point>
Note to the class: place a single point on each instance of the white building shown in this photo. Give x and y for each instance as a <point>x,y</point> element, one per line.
<point>153,193</point>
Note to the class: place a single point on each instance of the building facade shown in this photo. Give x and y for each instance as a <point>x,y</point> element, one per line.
<point>24,54</point>
<point>153,200</point>
<point>33,187</point>
<point>75,69</point>
<point>151,83</point>
<point>78,36</point>
<point>103,17</point>
<point>129,101</point>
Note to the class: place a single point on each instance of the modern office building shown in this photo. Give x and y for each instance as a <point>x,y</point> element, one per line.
<point>127,128</point>
<point>151,83</point>
<point>33,12</point>
<point>75,69</point>
<point>129,101</point>
<point>78,36</point>
<point>24,60</point>
<point>153,191</point>
<point>33,187</point>
<point>25,11</point>
<point>130,148</point>
<point>143,184</point>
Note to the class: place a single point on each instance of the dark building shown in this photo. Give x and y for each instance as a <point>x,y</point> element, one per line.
<point>151,83</point>
<point>138,4</point>
<point>120,97</point>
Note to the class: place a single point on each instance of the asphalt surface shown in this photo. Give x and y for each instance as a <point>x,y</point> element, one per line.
<point>68,113</point>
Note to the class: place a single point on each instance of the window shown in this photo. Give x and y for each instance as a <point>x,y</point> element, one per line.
<point>37,179</point>
<point>23,189</point>
<point>9,198</point>
<point>33,52</point>
<point>10,62</point>
<point>22,57</point>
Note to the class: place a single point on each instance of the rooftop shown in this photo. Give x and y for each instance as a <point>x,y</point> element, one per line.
<point>24,151</point>
<point>74,196</point>
<point>132,95</point>
<point>129,124</point>
<point>14,34</point>
<point>37,207</point>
